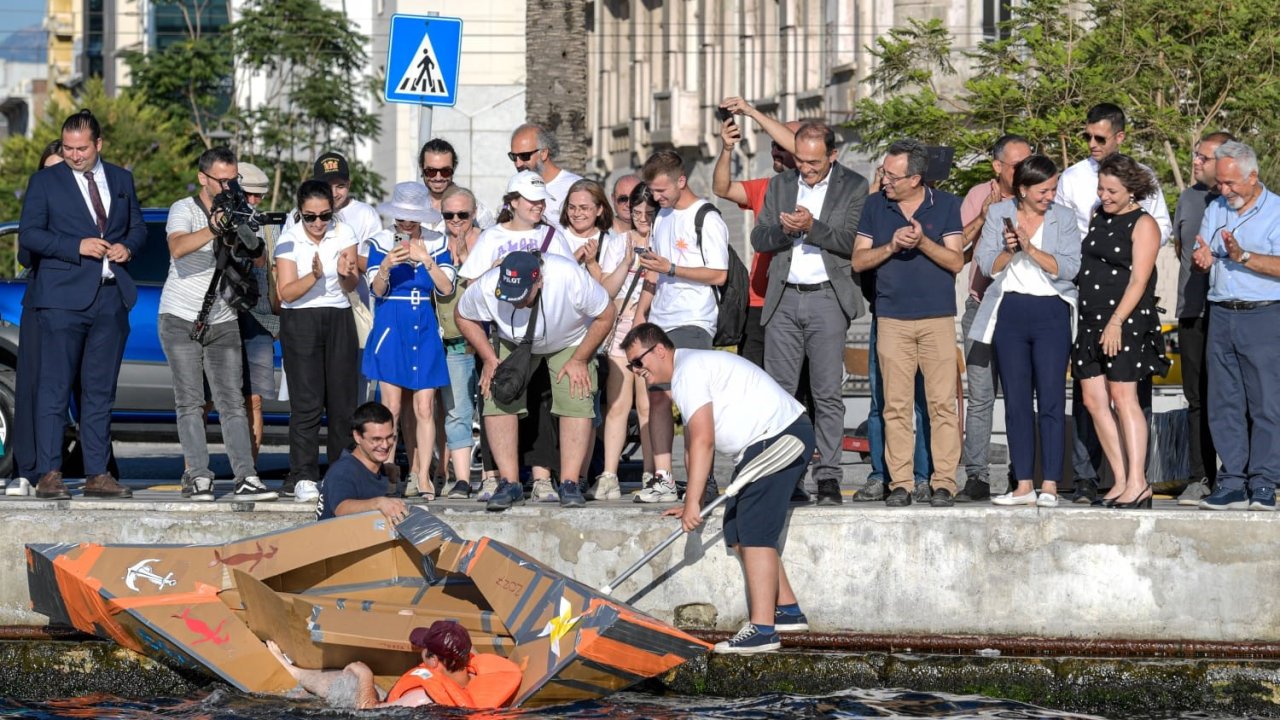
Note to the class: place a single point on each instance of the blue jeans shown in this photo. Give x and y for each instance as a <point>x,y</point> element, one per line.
<point>459,401</point>
<point>922,463</point>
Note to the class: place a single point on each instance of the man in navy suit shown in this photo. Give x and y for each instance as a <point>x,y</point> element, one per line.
<point>81,223</point>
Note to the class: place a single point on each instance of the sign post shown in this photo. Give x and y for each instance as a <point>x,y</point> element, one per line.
<point>423,58</point>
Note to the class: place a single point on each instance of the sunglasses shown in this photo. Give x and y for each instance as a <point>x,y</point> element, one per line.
<point>637,363</point>
<point>460,215</point>
<point>1100,139</point>
<point>623,199</point>
<point>312,217</point>
<point>523,156</point>
<point>444,172</point>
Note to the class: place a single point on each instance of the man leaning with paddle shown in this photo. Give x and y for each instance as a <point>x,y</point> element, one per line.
<point>729,404</point>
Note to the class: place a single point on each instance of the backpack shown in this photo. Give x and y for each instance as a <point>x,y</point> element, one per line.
<point>731,297</point>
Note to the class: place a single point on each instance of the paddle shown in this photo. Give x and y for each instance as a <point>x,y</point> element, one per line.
<point>774,458</point>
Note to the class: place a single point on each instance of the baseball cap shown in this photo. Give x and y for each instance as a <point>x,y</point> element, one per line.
<point>331,166</point>
<point>445,639</point>
<point>530,186</point>
<point>517,275</point>
<point>253,180</point>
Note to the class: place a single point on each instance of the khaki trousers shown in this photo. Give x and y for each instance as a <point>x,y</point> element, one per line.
<point>903,347</point>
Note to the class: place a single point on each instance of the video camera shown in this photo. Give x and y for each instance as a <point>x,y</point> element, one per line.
<point>237,246</point>
<point>239,218</point>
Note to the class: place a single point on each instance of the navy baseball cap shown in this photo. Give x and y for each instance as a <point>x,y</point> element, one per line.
<point>517,275</point>
<point>329,167</point>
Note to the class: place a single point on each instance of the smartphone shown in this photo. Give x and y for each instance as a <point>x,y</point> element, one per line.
<point>724,114</point>
<point>642,251</point>
<point>1008,226</point>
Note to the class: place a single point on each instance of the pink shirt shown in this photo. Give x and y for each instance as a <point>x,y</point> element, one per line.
<point>970,210</point>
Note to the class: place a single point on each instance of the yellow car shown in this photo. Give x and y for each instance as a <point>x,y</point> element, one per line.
<point>1174,352</point>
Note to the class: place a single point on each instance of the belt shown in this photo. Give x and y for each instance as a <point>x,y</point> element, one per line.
<point>803,287</point>
<point>415,297</point>
<point>1244,304</point>
<point>106,281</point>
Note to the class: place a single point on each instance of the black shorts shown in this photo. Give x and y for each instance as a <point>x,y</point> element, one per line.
<point>755,517</point>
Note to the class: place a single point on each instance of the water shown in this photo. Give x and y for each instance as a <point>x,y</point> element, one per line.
<point>225,704</point>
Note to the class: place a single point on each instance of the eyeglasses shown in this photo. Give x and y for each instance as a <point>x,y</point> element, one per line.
<point>312,217</point>
<point>637,363</point>
<point>444,172</point>
<point>220,181</point>
<point>460,215</point>
<point>623,199</point>
<point>523,156</point>
<point>1202,158</point>
<point>1100,139</point>
<point>892,179</point>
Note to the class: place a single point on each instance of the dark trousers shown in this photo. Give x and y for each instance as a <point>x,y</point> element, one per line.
<point>1032,341</point>
<point>1244,386</point>
<point>320,360</point>
<point>89,344</point>
<point>22,436</point>
<point>1195,387</point>
<point>539,429</point>
<point>752,345</point>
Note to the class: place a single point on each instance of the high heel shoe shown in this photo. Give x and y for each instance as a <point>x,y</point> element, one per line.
<point>1105,502</point>
<point>1142,502</point>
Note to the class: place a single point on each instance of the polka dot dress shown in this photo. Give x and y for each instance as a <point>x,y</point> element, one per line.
<point>1106,264</point>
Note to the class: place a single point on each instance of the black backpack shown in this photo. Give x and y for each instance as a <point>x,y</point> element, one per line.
<point>731,297</point>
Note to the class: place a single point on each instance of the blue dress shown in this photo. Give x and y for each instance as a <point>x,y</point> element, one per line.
<point>404,346</point>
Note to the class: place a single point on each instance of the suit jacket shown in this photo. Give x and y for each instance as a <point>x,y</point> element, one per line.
<point>833,232</point>
<point>55,219</point>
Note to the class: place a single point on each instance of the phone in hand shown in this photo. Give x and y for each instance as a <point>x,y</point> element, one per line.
<point>724,115</point>
<point>1008,226</point>
<point>642,251</point>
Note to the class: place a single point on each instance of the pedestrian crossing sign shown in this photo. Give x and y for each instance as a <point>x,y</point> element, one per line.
<point>423,56</point>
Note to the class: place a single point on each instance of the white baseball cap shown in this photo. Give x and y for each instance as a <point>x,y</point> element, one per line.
<point>530,186</point>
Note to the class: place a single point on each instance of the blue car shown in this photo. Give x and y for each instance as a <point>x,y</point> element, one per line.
<point>144,395</point>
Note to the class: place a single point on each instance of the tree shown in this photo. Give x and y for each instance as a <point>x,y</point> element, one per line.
<point>136,134</point>
<point>318,96</point>
<point>556,59</point>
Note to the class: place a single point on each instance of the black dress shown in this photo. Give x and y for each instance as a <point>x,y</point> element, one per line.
<point>1106,264</point>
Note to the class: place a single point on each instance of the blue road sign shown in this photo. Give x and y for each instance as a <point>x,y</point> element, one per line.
<point>422,60</point>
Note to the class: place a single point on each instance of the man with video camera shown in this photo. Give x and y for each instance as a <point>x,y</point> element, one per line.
<point>212,243</point>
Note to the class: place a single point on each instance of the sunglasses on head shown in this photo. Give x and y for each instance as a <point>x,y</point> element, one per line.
<point>637,363</point>
<point>312,217</point>
<point>430,172</point>
<point>1100,139</point>
<point>523,156</point>
<point>464,215</point>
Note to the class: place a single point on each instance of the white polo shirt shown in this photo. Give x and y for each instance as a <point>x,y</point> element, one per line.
<point>296,246</point>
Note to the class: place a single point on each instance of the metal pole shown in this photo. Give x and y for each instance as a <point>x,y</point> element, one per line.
<point>424,116</point>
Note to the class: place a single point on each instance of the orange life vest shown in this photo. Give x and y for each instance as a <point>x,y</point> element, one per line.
<point>493,683</point>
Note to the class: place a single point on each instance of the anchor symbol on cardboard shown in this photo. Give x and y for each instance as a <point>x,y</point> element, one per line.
<point>142,569</point>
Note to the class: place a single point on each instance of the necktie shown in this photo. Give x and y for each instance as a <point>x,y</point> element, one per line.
<point>96,199</point>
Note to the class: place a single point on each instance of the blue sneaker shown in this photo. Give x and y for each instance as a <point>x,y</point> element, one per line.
<point>571,495</point>
<point>506,495</point>
<point>748,641</point>
<point>790,622</point>
<point>1264,499</point>
<point>1228,499</point>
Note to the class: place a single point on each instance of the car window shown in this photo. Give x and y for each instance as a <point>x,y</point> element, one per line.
<point>151,266</point>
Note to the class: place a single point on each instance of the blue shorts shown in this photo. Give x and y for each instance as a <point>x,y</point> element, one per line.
<point>756,515</point>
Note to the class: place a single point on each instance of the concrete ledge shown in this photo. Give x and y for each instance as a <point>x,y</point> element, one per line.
<point>1164,574</point>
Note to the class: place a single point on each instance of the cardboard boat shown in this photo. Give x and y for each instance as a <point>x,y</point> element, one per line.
<point>350,589</point>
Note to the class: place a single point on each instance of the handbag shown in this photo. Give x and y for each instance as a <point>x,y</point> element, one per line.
<point>512,375</point>
<point>362,315</point>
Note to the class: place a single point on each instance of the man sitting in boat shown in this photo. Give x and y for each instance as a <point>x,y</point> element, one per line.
<point>729,404</point>
<point>450,674</point>
<point>357,481</point>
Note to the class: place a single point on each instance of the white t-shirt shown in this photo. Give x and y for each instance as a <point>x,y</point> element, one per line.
<point>571,300</point>
<point>613,252</point>
<point>559,189</point>
<point>296,246</point>
<point>1078,190</point>
<point>677,301</point>
<point>747,405</point>
<point>498,242</point>
<point>189,275</point>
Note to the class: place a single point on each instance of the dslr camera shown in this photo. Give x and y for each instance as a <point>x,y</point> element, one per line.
<point>239,245</point>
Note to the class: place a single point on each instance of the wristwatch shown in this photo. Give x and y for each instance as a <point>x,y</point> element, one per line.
<point>1244,257</point>
<point>672,271</point>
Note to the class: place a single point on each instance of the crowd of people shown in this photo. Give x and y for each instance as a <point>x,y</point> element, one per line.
<point>573,306</point>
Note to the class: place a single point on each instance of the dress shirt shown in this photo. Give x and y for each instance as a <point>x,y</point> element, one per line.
<point>1256,230</point>
<point>970,209</point>
<point>1078,190</point>
<point>806,259</point>
<point>104,192</point>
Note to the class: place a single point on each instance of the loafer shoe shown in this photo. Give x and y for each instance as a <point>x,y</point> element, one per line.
<point>1085,493</point>
<point>1263,499</point>
<point>829,492</point>
<point>1047,500</point>
<point>942,497</point>
<point>1009,499</point>
<point>974,490</point>
<point>1226,499</point>
<point>898,498</point>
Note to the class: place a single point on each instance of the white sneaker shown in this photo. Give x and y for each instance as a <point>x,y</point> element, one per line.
<point>1010,499</point>
<point>305,491</point>
<point>487,487</point>
<point>544,491</point>
<point>661,489</point>
<point>251,489</point>
<point>18,487</point>
<point>1047,500</point>
<point>607,487</point>
<point>201,489</point>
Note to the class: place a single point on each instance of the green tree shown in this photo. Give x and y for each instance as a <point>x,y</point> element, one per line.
<point>136,134</point>
<point>319,95</point>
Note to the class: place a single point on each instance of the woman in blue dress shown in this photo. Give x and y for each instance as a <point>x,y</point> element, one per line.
<point>404,353</point>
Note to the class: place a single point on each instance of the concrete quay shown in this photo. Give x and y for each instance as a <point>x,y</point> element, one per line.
<point>1167,574</point>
